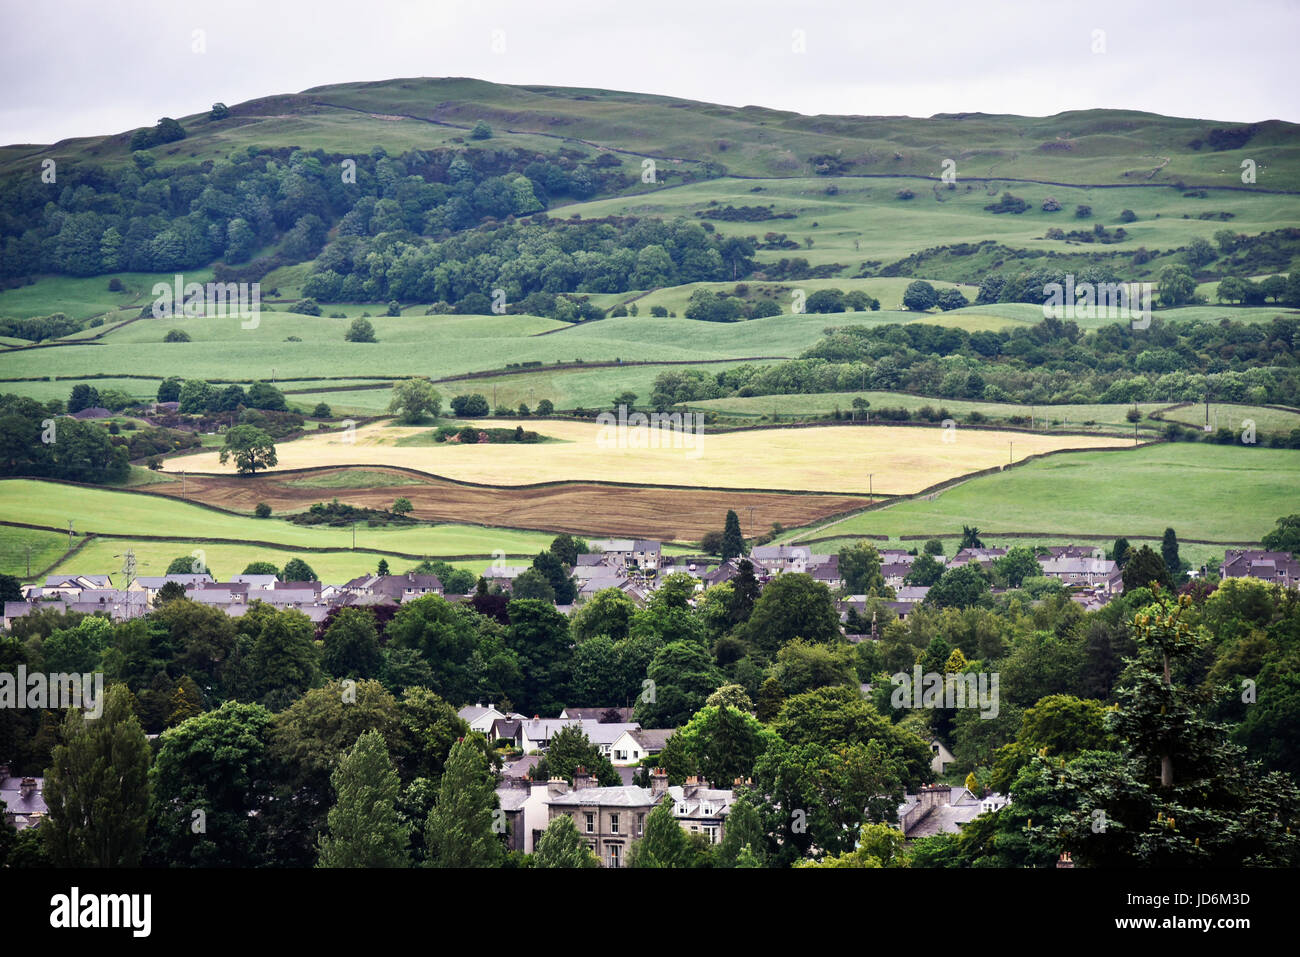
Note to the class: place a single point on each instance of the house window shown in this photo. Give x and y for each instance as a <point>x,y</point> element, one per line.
<point>620,755</point>
<point>615,855</point>
<point>591,823</point>
<point>640,825</point>
<point>712,833</point>
<point>613,824</point>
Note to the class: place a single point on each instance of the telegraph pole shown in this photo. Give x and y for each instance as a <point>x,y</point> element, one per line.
<point>69,533</point>
<point>871,488</point>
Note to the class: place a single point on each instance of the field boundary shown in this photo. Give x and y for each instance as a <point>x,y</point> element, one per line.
<point>252,543</point>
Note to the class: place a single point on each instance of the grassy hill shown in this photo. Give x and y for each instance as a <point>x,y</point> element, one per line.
<point>1092,146</point>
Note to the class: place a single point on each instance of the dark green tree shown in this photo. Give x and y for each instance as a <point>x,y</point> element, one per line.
<point>97,787</point>
<point>364,826</point>
<point>460,830</point>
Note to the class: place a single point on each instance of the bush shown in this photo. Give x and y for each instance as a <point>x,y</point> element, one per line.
<point>481,131</point>
<point>1082,211</point>
<point>472,406</point>
<point>361,330</point>
<point>115,285</point>
<point>546,407</point>
<point>1127,216</point>
<point>322,411</point>
<point>262,510</point>
<point>177,335</point>
<point>307,307</point>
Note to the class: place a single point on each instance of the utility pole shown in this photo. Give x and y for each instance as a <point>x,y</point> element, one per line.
<point>354,536</point>
<point>182,483</point>
<point>871,488</point>
<point>29,561</point>
<point>751,520</point>
<point>69,533</point>
<point>1011,454</point>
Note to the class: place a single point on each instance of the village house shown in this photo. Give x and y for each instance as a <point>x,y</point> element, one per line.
<point>981,556</point>
<point>24,799</point>
<point>631,747</point>
<point>401,588</point>
<point>779,559</point>
<point>942,809</point>
<point>628,552</point>
<point>612,819</point>
<point>1075,571</point>
<point>1279,568</point>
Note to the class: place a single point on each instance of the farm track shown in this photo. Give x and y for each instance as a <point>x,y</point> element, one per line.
<point>667,514</point>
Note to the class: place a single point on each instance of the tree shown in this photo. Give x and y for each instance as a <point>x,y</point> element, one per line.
<point>351,645</point>
<point>1169,551</point>
<point>365,829</point>
<point>608,612</point>
<point>401,506</point>
<point>1119,553</point>
<point>415,398</point>
<point>262,510</point>
<point>297,570</point>
<point>382,568</point>
<point>1285,536</point>
<point>792,606</point>
<point>481,131</point>
<point>1018,564</point>
<point>1200,252</point>
<point>920,296</point>
<point>1175,286</point>
<point>211,784</point>
<point>97,787</point>
<point>682,677</point>
<point>562,846</point>
<point>1143,567</point>
<point>970,538</point>
<point>664,843</point>
<point>859,566</point>
<point>251,447</point>
<point>475,406</point>
<point>744,830</point>
<point>459,831</point>
<point>733,540</point>
<point>361,330</point>
<point>570,749</point>
<point>925,571</point>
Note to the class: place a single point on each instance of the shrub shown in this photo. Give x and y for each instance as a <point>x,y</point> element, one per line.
<point>177,335</point>
<point>262,510</point>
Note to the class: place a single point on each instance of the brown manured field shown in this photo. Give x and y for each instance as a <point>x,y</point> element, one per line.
<point>660,513</point>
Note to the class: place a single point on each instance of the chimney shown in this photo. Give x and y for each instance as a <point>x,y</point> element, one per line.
<point>556,786</point>
<point>936,796</point>
<point>581,778</point>
<point>658,782</point>
<point>692,786</point>
<point>27,788</point>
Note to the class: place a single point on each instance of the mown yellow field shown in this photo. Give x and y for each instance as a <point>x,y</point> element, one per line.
<point>902,459</point>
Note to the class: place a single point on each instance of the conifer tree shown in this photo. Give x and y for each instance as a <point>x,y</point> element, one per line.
<point>97,788</point>
<point>460,832</point>
<point>365,828</point>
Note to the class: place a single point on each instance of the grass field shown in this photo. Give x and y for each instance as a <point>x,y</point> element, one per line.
<point>106,556</point>
<point>1233,416</point>
<point>18,544</point>
<point>825,458</point>
<point>1212,492</point>
<point>125,513</point>
<point>863,220</point>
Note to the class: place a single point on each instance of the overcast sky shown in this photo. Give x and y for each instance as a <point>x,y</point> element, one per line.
<point>85,67</point>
